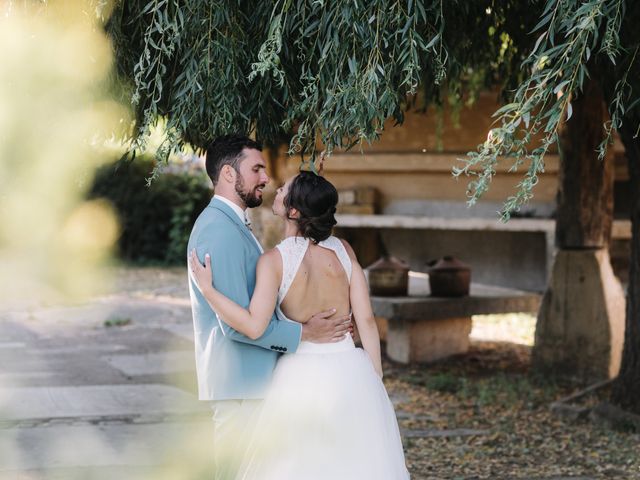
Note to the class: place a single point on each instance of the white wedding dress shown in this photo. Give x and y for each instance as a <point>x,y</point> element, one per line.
<point>327,415</point>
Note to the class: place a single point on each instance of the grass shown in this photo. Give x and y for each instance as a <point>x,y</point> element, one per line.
<point>117,322</point>
<point>513,327</point>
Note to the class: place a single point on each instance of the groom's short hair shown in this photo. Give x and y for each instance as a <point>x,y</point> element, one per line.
<point>227,150</point>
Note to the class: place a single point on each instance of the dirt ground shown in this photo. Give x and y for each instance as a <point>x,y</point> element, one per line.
<point>484,414</point>
<point>498,414</point>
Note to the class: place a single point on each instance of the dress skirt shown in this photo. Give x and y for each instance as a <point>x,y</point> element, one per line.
<point>326,416</point>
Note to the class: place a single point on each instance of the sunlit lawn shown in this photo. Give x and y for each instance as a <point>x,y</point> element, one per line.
<point>513,327</point>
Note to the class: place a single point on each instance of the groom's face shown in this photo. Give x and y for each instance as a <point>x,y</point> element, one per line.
<point>252,177</point>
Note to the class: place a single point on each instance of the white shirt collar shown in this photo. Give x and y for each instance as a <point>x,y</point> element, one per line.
<point>239,211</point>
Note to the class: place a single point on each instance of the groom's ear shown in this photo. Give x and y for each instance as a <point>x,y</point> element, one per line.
<point>228,173</point>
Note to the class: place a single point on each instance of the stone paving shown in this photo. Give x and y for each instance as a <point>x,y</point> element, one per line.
<point>80,399</point>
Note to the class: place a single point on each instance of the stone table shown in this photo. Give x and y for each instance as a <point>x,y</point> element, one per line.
<point>421,328</point>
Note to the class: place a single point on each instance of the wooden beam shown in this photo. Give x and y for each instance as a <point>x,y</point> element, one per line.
<point>415,162</point>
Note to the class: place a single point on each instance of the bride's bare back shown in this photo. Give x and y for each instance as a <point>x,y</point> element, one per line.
<point>320,284</point>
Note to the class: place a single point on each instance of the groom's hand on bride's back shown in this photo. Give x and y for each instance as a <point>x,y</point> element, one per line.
<point>322,329</point>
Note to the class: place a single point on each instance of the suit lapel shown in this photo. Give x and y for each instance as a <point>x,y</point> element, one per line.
<point>224,208</point>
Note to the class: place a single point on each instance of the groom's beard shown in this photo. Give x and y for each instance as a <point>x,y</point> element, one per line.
<point>250,199</point>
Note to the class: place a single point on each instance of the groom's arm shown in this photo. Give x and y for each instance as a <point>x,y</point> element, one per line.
<point>230,279</point>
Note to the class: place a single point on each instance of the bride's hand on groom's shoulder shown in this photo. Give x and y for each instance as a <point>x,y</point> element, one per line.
<point>202,274</point>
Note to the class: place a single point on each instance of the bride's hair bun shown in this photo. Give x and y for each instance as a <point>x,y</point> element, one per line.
<point>316,199</point>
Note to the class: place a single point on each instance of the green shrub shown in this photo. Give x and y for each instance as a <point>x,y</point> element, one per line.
<point>155,220</point>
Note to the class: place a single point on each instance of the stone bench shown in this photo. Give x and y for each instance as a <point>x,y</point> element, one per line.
<point>421,328</point>
<point>516,254</point>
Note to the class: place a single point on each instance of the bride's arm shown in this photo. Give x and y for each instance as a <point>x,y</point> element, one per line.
<point>252,321</point>
<point>362,311</point>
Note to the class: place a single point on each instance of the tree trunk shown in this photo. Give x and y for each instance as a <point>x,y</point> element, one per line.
<point>626,392</point>
<point>581,320</point>
<point>585,193</point>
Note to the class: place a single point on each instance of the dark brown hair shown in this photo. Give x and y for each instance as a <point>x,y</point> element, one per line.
<point>316,199</point>
<point>227,150</point>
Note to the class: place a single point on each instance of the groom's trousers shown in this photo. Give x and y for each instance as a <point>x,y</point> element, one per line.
<point>233,422</point>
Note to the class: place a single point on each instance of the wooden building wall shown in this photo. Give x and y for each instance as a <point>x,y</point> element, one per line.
<point>414,161</point>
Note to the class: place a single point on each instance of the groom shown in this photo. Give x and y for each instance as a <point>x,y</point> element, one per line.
<point>233,370</point>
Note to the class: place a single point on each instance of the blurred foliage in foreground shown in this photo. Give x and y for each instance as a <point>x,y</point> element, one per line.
<point>54,105</point>
<point>155,220</point>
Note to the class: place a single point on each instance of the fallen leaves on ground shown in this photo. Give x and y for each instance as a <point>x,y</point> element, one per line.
<point>492,388</point>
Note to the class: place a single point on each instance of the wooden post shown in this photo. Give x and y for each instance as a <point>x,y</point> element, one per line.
<point>585,190</point>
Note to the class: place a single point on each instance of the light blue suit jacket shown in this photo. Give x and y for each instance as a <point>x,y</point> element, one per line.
<point>230,365</point>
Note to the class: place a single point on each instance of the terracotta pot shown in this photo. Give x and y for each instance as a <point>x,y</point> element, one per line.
<point>449,277</point>
<point>389,277</point>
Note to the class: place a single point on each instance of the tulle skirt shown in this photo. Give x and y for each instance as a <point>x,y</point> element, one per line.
<point>327,416</point>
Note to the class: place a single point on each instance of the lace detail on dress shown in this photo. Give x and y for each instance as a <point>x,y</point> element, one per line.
<point>292,251</point>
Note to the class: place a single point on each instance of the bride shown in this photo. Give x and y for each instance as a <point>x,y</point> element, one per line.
<point>327,414</point>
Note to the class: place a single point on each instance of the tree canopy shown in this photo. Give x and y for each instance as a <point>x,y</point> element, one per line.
<point>574,40</point>
<point>302,71</point>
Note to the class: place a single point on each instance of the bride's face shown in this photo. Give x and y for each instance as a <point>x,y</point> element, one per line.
<point>278,203</point>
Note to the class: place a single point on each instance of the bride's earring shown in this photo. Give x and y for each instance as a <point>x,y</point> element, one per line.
<point>293,214</point>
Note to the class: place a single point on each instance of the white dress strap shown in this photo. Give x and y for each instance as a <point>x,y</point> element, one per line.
<point>292,251</point>
<point>335,244</point>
